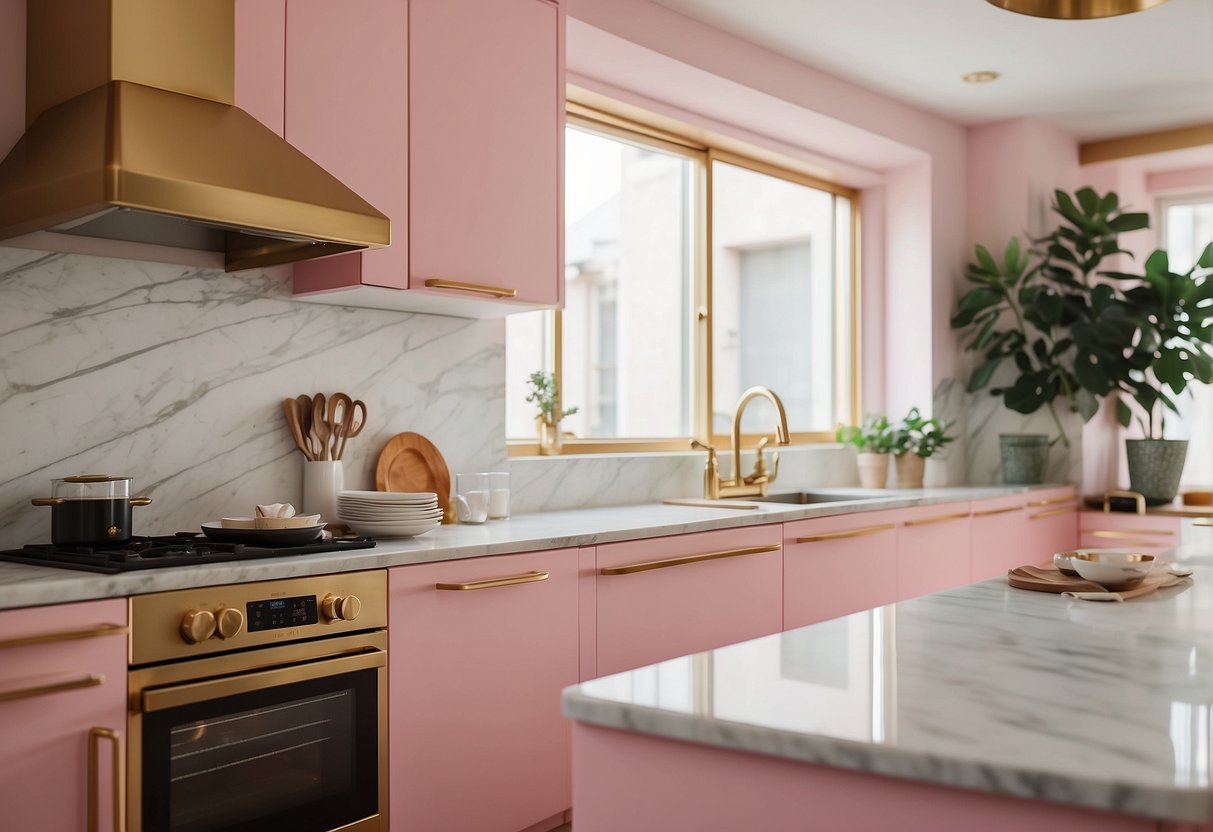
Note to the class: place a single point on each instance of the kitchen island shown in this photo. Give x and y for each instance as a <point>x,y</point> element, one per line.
<point>982,707</point>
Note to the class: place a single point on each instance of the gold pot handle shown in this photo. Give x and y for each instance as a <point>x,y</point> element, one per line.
<point>141,501</point>
<point>47,501</point>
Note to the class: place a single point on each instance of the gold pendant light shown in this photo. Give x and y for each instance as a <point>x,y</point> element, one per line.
<point>1075,9</point>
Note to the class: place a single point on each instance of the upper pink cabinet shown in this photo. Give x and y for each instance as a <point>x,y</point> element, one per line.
<point>448,117</point>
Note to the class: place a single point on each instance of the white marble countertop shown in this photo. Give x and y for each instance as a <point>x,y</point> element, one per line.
<point>24,586</point>
<point>982,687</point>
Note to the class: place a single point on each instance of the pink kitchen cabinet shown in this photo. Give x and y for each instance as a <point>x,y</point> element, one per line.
<point>479,651</point>
<point>665,597</point>
<point>834,566</point>
<point>62,699</point>
<point>448,117</point>
<point>1051,523</point>
<point>261,61</point>
<point>1149,533</point>
<point>997,538</point>
<point>932,549</point>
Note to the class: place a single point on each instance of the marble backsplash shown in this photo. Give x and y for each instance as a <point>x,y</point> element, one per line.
<point>175,376</point>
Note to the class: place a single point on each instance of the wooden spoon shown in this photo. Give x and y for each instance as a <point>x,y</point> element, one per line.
<point>303,406</point>
<point>339,409</point>
<point>320,427</point>
<point>291,409</point>
<point>353,424</point>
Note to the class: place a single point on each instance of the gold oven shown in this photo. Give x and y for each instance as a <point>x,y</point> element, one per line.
<point>260,706</point>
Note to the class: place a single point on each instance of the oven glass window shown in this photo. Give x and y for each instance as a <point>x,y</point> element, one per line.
<point>301,756</point>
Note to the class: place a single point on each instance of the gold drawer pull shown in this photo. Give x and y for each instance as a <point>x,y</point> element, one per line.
<point>864,532</point>
<point>662,564</point>
<point>1123,533</point>
<point>1204,524</point>
<point>119,780</point>
<point>479,288</point>
<point>69,635</point>
<point>926,521</point>
<point>1142,544</point>
<point>45,690</point>
<point>1054,513</point>
<point>528,578</point>
<point>1053,502</point>
<point>993,511</point>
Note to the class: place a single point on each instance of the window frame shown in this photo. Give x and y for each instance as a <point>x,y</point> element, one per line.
<point>847,333</point>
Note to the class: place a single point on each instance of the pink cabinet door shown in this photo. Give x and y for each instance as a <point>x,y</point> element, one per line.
<point>932,549</point>
<point>53,693</point>
<point>347,93</point>
<point>669,596</point>
<point>261,61</point>
<point>997,538</point>
<point>1052,522</point>
<point>487,109</point>
<point>835,566</point>
<point>478,742</point>
<point>1147,533</point>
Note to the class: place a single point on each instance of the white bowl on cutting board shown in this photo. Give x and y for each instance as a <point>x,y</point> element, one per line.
<point>1113,569</point>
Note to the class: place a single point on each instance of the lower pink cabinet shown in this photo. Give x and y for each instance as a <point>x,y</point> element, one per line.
<point>1152,534</point>
<point>1052,521</point>
<point>998,539</point>
<point>932,549</point>
<point>834,566</point>
<point>63,711</point>
<point>665,597</point>
<point>479,651</point>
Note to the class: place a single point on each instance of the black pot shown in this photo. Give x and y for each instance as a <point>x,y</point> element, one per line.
<point>91,510</point>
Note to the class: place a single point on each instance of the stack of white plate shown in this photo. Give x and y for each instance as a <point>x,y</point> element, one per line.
<point>388,513</point>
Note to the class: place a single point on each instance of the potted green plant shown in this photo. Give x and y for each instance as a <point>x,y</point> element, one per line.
<point>1158,341</point>
<point>1022,314</point>
<point>545,394</point>
<point>873,439</point>
<point>915,439</point>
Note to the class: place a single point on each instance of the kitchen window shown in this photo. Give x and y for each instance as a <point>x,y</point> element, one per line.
<point>691,274</point>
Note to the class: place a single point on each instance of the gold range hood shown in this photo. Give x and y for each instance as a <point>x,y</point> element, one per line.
<point>132,134</point>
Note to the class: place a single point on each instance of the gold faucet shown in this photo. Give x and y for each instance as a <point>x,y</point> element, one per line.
<point>755,484</point>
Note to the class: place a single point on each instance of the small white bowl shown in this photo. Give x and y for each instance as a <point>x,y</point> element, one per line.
<point>299,521</point>
<point>1062,561</point>
<point>1113,569</point>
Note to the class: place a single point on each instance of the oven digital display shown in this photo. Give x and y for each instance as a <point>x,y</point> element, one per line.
<point>281,612</point>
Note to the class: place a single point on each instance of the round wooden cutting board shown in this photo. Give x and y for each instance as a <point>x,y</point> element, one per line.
<point>410,462</point>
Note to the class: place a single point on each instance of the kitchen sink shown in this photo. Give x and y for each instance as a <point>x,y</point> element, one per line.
<point>806,498</point>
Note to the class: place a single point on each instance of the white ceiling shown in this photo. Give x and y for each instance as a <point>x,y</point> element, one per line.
<point>1095,78</point>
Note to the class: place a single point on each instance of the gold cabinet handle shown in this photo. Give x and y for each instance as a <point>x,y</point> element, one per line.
<point>490,583</point>
<point>662,564</point>
<point>993,511</point>
<point>864,532</point>
<point>57,687</point>
<point>1053,502</point>
<point>1126,533</point>
<point>478,288</point>
<point>68,635</point>
<point>1054,513</point>
<point>95,735</point>
<point>943,518</point>
<point>1141,544</point>
<point>1204,524</point>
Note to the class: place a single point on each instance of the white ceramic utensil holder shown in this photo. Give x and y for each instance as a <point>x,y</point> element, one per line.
<point>322,480</point>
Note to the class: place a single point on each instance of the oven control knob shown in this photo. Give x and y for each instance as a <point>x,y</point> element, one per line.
<point>197,626</point>
<point>230,621</point>
<point>337,608</point>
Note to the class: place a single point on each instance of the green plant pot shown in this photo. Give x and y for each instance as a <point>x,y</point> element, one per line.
<point>1025,457</point>
<point>1155,467</point>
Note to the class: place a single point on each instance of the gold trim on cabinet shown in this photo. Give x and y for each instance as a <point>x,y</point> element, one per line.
<point>1120,534</point>
<point>118,786</point>
<point>491,583</point>
<point>1053,502</point>
<point>1204,524</point>
<point>188,694</point>
<point>942,518</point>
<point>662,564</point>
<point>1139,544</point>
<point>46,690</point>
<point>864,532</point>
<point>67,635</point>
<point>994,511</point>
<point>478,288</point>
<point>1138,499</point>
<point>1054,513</point>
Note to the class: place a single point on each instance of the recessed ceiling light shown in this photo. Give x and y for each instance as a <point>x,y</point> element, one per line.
<point>985,76</point>
<point>1075,9</point>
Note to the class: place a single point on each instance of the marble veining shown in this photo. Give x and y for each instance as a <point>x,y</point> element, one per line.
<point>983,687</point>
<point>22,585</point>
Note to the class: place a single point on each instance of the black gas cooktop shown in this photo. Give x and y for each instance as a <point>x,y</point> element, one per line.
<point>181,549</point>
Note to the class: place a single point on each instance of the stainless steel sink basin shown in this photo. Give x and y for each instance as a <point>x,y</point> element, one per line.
<point>806,498</point>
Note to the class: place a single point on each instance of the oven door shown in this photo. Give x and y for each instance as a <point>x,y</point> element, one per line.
<point>299,747</point>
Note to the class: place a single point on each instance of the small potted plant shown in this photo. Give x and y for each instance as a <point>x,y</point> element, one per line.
<point>914,440</point>
<point>546,396</point>
<point>874,441</point>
